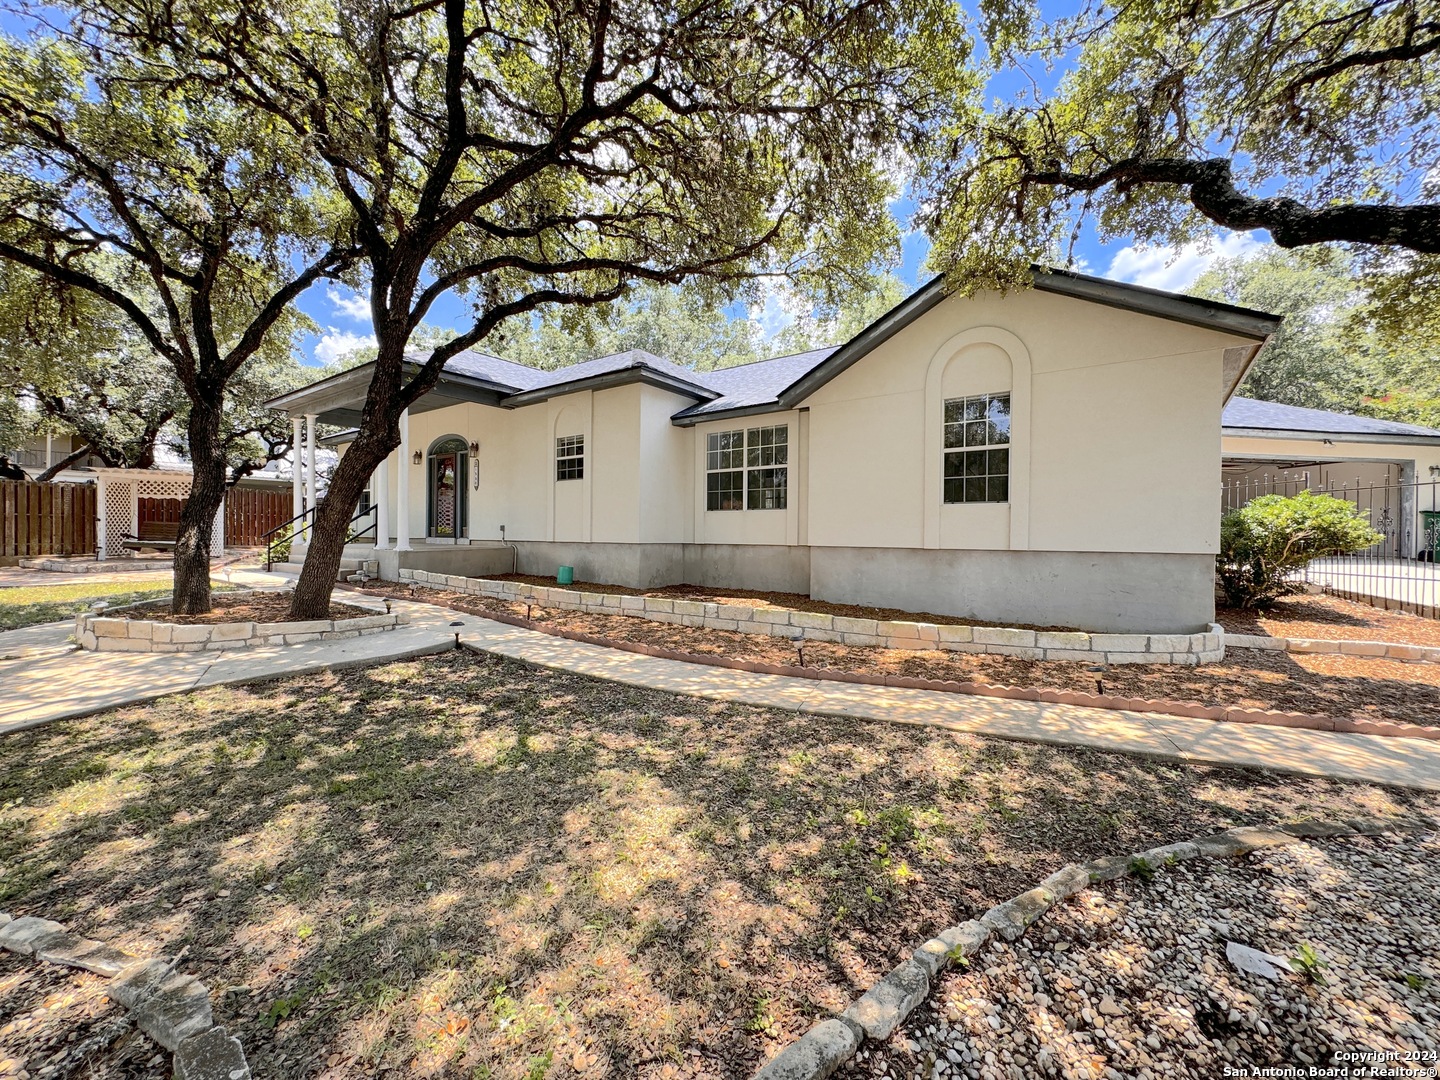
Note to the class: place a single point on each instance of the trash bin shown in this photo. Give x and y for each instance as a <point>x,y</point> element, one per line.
<point>1429,535</point>
<point>566,575</point>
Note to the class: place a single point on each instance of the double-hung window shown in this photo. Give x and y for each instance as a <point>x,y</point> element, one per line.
<point>570,457</point>
<point>747,470</point>
<point>977,449</point>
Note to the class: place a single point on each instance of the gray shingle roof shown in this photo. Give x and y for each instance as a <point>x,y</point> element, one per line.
<point>1266,415</point>
<point>477,365</point>
<point>603,365</point>
<point>759,383</point>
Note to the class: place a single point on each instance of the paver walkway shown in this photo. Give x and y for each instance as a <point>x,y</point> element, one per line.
<point>55,687</point>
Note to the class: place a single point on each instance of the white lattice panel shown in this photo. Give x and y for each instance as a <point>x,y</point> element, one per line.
<point>163,487</point>
<point>119,514</point>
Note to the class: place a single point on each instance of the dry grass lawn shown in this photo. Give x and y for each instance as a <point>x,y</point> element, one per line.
<point>462,866</point>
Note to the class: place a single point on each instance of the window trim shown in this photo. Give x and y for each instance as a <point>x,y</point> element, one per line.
<point>569,465</point>
<point>746,463</point>
<point>967,450</point>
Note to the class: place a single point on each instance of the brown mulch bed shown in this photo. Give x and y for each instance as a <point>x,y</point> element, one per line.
<point>1336,686</point>
<point>258,607</point>
<point>464,866</point>
<point>1331,619</point>
<point>759,599</point>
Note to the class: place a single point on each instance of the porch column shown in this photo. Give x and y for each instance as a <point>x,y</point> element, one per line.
<point>402,489</point>
<point>100,547</point>
<point>380,485</point>
<point>297,497</point>
<point>310,492</point>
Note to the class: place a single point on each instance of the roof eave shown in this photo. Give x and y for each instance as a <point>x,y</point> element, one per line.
<point>606,380</point>
<point>878,332</point>
<point>1328,436</point>
<point>1211,314</point>
<point>688,419</point>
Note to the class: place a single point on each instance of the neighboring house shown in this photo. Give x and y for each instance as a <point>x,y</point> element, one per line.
<point>1047,456</point>
<point>43,451</point>
<point>1388,469</point>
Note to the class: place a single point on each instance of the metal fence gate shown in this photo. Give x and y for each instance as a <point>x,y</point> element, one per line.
<point>1401,571</point>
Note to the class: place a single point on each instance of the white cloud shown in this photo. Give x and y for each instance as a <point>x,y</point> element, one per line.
<point>334,344</point>
<point>1175,269</point>
<point>354,306</point>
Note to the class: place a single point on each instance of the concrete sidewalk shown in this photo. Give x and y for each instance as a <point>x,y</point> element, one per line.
<point>1410,763</point>
<point>55,687</point>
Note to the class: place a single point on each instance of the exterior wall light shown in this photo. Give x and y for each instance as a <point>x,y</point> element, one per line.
<point>416,458</point>
<point>474,447</point>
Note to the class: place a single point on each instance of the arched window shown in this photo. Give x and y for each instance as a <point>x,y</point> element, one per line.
<point>448,482</point>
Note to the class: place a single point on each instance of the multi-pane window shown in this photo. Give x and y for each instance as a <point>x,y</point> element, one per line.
<point>747,469</point>
<point>570,457</point>
<point>977,449</point>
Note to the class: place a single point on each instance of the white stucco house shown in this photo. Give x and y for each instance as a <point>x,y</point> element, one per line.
<point>1047,456</point>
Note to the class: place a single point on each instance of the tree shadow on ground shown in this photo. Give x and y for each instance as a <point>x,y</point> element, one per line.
<point>465,866</point>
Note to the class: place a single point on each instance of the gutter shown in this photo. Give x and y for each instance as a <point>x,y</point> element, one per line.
<point>1328,436</point>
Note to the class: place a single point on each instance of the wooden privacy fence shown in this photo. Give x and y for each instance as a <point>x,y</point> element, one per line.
<point>250,514</point>
<point>46,519</point>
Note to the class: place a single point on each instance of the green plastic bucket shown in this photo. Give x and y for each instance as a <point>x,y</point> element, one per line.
<point>565,575</point>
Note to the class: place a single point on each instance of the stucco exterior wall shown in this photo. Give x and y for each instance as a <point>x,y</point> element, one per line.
<point>1115,431</point>
<point>1110,525</point>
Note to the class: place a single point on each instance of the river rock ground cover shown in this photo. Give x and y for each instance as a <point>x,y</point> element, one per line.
<point>1131,979</point>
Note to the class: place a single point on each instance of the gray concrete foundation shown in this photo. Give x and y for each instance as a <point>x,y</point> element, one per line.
<point>1104,592</point>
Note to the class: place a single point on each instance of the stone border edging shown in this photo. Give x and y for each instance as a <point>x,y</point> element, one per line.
<point>1188,649</point>
<point>172,1009</point>
<point>1375,650</point>
<point>881,1009</point>
<point>98,633</point>
<point>1189,710</point>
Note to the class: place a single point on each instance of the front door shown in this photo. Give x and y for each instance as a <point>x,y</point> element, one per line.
<point>444,473</point>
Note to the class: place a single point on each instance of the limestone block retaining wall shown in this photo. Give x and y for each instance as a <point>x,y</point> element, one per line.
<point>1386,649</point>
<point>1191,649</point>
<point>104,634</point>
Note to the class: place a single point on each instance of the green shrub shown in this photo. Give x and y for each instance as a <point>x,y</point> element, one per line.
<point>1267,540</point>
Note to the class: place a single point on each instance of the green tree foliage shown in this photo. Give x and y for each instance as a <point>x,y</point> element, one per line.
<point>1316,120</point>
<point>1267,541</point>
<point>525,155</point>
<point>74,364</point>
<point>125,176</point>
<point>816,328</point>
<point>659,319</point>
<point>1328,353</point>
<point>1311,361</point>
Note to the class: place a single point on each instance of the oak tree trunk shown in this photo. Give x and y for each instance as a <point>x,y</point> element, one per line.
<point>332,522</point>
<point>197,518</point>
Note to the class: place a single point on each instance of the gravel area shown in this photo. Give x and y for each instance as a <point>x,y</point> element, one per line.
<point>1131,979</point>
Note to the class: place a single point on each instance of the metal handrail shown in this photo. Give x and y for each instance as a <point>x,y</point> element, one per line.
<point>309,511</point>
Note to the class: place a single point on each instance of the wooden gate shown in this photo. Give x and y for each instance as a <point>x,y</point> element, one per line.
<point>250,514</point>
<point>46,519</point>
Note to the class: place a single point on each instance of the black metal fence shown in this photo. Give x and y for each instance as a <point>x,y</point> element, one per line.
<point>1400,571</point>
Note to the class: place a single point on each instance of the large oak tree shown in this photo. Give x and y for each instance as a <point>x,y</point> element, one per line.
<point>1316,120</point>
<point>526,154</point>
<point>126,177</point>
